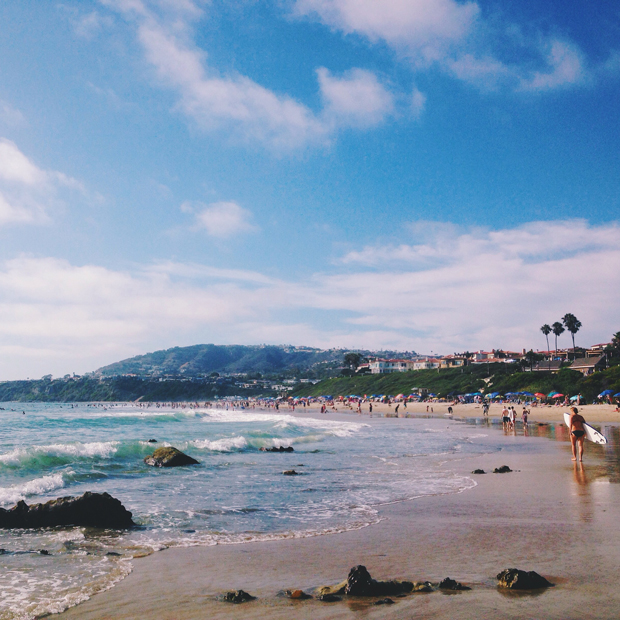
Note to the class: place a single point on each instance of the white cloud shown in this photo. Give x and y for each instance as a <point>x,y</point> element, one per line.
<point>456,37</point>
<point>220,219</point>
<point>357,98</point>
<point>452,289</point>
<point>424,29</point>
<point>237,104</point>
<point>27,193</point>
<point>564,67</point>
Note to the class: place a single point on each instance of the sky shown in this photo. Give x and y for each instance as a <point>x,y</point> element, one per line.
<point>427,175</point>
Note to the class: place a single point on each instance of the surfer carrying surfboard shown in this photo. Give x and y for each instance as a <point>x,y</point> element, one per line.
<point>577,433</point>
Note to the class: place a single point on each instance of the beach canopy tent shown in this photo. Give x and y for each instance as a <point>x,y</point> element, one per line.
<point>605,393</point>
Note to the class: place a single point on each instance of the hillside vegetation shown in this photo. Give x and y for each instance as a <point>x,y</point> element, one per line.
<point>204,359</point>
<point>445,382</point>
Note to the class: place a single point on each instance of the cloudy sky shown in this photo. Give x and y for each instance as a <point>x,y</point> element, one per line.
<point>429,175</point>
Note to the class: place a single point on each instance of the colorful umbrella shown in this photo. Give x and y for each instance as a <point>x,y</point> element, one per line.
<point>605,393</point>
<point>558,396</point>
<point>539,395</point>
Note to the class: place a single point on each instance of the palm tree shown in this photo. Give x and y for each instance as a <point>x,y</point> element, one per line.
<point>557,328</point>
<point>545,329</point>
<point>572,324</point>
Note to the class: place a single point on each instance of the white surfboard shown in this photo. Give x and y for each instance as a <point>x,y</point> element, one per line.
<point>591,433</point>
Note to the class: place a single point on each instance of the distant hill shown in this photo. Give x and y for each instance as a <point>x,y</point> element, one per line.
<point>204,359</point>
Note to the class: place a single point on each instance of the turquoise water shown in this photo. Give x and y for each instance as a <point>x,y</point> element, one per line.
<point>238,493</point>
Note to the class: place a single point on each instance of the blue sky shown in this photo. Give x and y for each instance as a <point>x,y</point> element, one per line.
<point>410,174</point>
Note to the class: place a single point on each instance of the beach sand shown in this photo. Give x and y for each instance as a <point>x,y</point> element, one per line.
<point>549,515</point>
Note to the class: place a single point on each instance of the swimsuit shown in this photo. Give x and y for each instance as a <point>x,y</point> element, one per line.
<point>578,433</point>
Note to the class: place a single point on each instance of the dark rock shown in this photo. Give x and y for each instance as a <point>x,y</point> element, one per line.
<point>522,580</point>
<point>450,584</point>
<point>299,595</point>
<point>44,552</point>
<point>290,472</point>
<point>384,601</point>
<point>152,441</point>
<point>91,509</point>
<point>422,586</point>
<point>240,596</point>
<point>360,583</point>
<point>504,469</point>
<point>329,598</point>
<point>113,553</point>
<point>478,471</point>
<point>280,449</point>
<point>169,457</point>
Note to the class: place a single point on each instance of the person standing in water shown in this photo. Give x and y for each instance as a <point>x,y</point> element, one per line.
<point>577,433</point>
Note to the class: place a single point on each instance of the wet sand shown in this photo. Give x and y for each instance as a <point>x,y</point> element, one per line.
<point>549,515</point>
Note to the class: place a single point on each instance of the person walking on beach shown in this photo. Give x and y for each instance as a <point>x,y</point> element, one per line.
<point>577,433</point>
<point>505,418</point>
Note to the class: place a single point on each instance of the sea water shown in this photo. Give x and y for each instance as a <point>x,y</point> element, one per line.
<point>348,468</point>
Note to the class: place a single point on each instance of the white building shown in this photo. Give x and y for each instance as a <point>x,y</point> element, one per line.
<point>382,367</point>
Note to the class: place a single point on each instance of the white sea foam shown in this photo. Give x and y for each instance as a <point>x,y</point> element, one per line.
<point>227,444</point>
<point>38,486</point>
<point>95,449</point>
<point>330,427</point>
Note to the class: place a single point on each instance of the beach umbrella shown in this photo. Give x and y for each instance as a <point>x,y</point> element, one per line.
<point>617,395</point>
<point>605,393</point>
<point>552,394</point>
<point>539,395</point>
<point>557,395</point>
<point>527,394</point>
<point>574,397</point>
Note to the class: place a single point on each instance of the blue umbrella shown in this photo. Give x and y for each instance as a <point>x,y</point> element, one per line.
<point>617,395</point>
<point>605,393</point>
<point>527,394</point>
<point>574,397</point>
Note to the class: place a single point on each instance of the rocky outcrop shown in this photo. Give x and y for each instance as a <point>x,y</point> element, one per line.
<point>298,595</point>
<point>239,596</point>
<point>280,449</point>
<point>504,469</point>
<point>360,583</point>
<point>169,457</point>
<point>478,471</point>
<point>329,598</point>
<point>290,472</point>
<point>384,601</point>
<point>422,586</point>
<point>451,584</point>
<point>90,510</point>
<point>516,579</point>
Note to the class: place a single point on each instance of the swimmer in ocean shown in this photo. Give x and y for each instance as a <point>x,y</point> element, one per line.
<point>577,433</point>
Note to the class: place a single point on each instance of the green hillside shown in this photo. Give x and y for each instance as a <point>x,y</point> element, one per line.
<point>204,359</point>
<point>503,378</point>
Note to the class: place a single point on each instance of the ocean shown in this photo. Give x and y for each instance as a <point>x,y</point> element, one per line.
<point>348,468</point>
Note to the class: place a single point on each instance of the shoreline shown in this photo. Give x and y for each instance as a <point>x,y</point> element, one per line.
<point>524,519</point>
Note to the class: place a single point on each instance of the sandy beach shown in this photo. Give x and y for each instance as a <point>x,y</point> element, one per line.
<point>549,515</point>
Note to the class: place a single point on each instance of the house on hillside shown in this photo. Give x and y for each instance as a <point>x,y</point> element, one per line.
<point>382,367</point>
<point>452,361</point>
<point>427,363</point>
<point>588,365</point>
